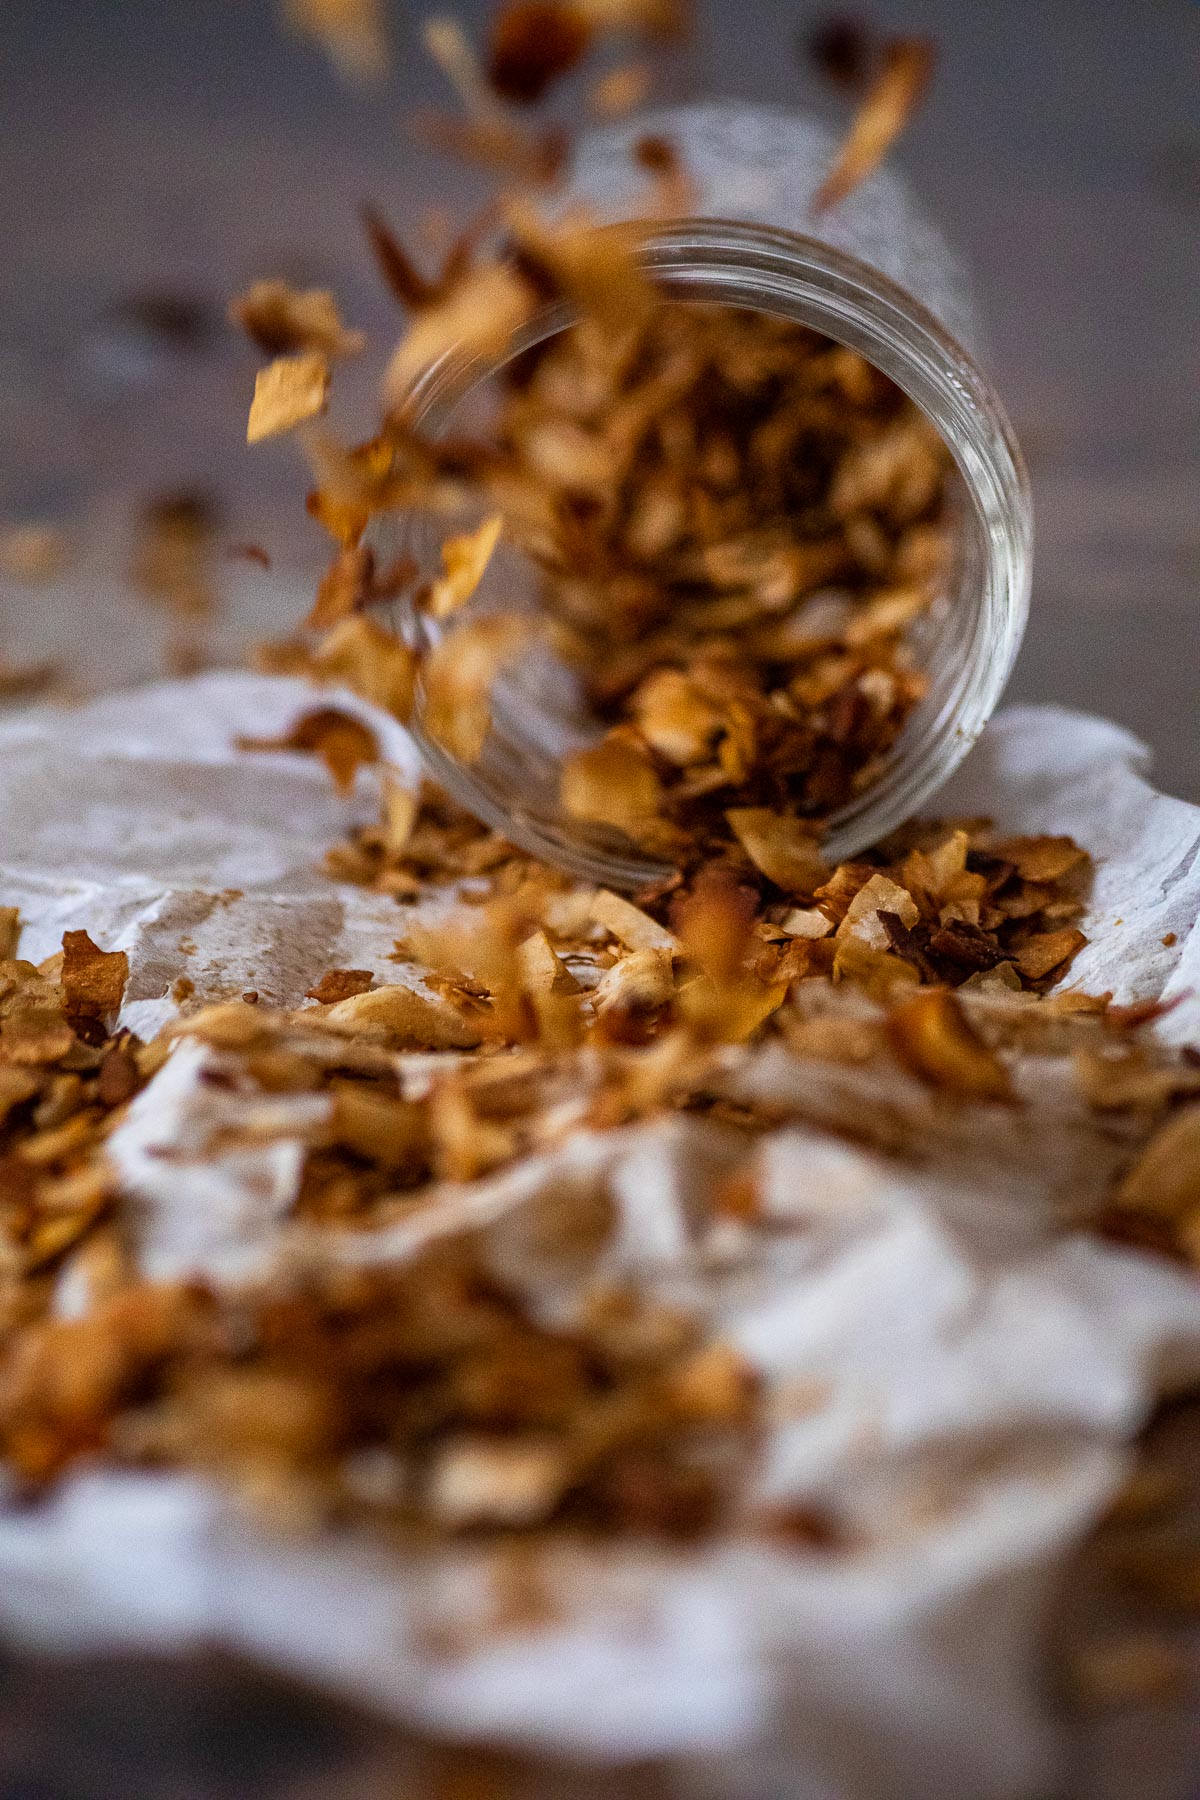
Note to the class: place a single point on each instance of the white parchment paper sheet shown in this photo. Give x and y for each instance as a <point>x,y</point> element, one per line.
<point>942,1367</point>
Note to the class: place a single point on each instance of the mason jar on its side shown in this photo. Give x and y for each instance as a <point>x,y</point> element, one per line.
<point>873,274</point>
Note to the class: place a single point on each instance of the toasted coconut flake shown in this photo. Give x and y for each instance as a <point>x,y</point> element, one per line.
<point>464,560</point>
<point>17,1085</point>
<point>630,925</point>
<point>1040,858</point>
<point>172,563</point>
<point>1002,978</point>
<point>340,984</point>
<point>886,978</point>
<point>447,44</point>
<point>404,280</point>
<point>911,944</point>
<point>1165,1180</point>
<point>503,146</point>
<point>593,266</point>
<point>402,1018</point>
<point>286,393</point>
<point>465,1145</point>
<point>621,90</point>
<point>532,44</point>
<point>353,32</point>
<point>119,1076</point>
<point>1165,1573</point>
<point>715,1386</point>
<point>1048,953</point>
<point>32,553</point>
<point>645,18</point>
<point>20,681</point>
<point>675,717</point>
<point>785,849</point>
<point>612,783</point>
<point>36,1036</point>
<point>458,675</point>
<point>251,553</point>
<point>674,191</point>
<point>637,986</point>
<point>342,742</point>
<point>888,105</point>
<point>1136,1667</point>
<point>1128,1079</point>
<point>933,1036</point>
<point>879,894</point>
<point>478,318</point>
<point>93,980</point>
<point>10,932</point>
<point>714,923</point>
<point>282,320</point>
<point>343,589</point>
<point>372,662</point>
<point>379,1127</point>
<point>806,922</point>
<point>401,808</point>
<point>729,1012</point>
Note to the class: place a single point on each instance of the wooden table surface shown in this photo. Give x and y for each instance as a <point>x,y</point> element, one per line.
<point>164,147</point>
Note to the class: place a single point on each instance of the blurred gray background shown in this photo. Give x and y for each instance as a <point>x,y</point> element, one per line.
<point>167,148</point>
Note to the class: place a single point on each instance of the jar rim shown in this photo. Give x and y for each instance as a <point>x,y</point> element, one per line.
<point>773,270</point>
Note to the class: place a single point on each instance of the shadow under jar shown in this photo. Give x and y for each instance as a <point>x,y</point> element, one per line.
<point>965,639</point>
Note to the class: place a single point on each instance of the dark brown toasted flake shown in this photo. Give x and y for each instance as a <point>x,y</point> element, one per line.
<point>20,681</point>
<point>532,44</point>
<point>400,273</point>
<point>905,941</point>
<point>841,49</point>
<point>340,984</point>
<point>964,946</point>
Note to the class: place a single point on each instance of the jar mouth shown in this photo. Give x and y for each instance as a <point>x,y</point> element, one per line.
<point>769,270</point>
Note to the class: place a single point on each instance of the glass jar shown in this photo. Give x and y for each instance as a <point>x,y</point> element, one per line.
<point>872,274</point>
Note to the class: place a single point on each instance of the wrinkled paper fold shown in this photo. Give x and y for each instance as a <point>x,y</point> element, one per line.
<point>943,1366</point>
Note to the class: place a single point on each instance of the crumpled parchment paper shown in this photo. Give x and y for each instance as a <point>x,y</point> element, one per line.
<point>942,1367</point>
